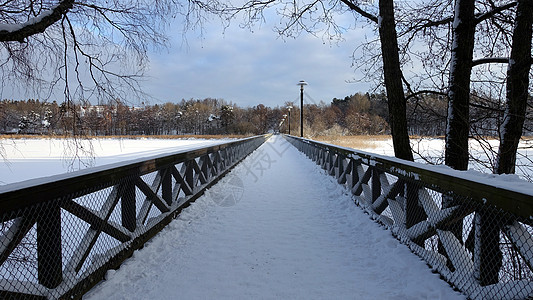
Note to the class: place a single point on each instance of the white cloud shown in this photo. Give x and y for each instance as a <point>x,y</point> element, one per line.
<point>249,68</point>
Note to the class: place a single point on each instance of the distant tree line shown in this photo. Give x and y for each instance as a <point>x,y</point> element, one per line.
<point>199,117</point>
<point>357,114</point>
<point>207,116</point>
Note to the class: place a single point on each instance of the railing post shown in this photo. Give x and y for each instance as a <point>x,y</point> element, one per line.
<point>128,206</point>
<point>49,259</point>
<point>414,213</point>
<point>205,166</point>
<point>354,179</point>
<point>376,184</point>
<point>487,253</point>
<point>331,163</point>
<point>189,174</point>
<point>166,186</point>
<point>341,176</point>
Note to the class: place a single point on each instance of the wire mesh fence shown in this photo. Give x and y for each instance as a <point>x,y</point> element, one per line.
<point>58,237</point>
<point>478,236</point>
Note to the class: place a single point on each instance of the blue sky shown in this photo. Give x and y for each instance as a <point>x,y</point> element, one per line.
<point>249,68</point>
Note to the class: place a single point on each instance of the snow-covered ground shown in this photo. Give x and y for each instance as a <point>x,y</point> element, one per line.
<point>276,227</point>
<point>25,159</point>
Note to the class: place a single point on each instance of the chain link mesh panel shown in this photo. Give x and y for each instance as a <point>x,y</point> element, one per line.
<point>59,238</point>
<point>481,245</point>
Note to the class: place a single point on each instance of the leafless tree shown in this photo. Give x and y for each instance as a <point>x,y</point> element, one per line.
<point>88,50</point>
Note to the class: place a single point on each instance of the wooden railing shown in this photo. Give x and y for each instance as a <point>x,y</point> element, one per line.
<point>473,230</point>
<point>60,235</point>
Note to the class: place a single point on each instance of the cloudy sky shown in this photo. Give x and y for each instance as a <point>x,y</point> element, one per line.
<point>249,68</point>
<point>243,66</point>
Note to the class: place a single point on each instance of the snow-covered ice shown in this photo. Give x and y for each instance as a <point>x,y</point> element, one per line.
<point>275,227</point>
<point>25,159</point>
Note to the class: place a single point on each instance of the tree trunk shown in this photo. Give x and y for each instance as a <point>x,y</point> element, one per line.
<point>456,149</point>
<point>393,80</point>
<point>517,89</point>
<point>489,260</point>
<point>458,119</point>
<point>397,105</point>
<point>456,153</point>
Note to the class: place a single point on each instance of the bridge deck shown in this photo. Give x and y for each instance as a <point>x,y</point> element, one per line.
<point>275,227</point>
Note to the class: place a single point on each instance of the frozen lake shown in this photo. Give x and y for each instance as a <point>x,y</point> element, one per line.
<point>25,159</point>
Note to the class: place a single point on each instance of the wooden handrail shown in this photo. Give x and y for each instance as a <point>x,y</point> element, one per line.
<point>473,231</point>
<point>23,194</point>
<point>444,179</point>
<point>37,210</point>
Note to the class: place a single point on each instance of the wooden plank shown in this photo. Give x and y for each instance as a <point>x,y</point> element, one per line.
<point>182,183</point>
<point>189,173</point>
<point>522,240</point>
<point>22,289</point>
<point>12,237</point>
<point>354,178</point>
<point>421,231</point>
<point>332,159</point>
<point>397,211</point>
<point>49,251</point>
<point>81,253</point>
<point>414,213</point>
<point>366,195</point>
<point>442,219</point>
<point>199,175</point>
<point>457,254</point>
<point>144,211</point>
<point>91,236</point>
<point>205,166</point>
<point>363,179</point>
<point>390,192</point>
<point>346,168</point>
<point>166,186</point>
<point>376,184</point>
<point>435,259</point>
<point>92,218</point>
<point>151,195</point>
<point>428,203</point>
<point>338,167</point>
<point>128,205</point>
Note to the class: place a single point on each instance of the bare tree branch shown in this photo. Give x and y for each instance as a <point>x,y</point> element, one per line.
<point>360,11</point>
<point>496,10</point>
<point>38,24</point>
<point>490,60</point>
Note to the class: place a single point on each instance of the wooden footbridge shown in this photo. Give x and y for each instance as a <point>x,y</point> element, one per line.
<point>59,236</point>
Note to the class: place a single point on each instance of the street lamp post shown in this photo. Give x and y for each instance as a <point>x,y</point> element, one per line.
<point>301,84</point>
<point>289,108</point>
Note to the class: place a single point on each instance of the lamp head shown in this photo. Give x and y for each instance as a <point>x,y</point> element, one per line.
<point>302,83</point>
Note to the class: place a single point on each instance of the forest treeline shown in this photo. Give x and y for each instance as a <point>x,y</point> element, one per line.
<point>357,114</point>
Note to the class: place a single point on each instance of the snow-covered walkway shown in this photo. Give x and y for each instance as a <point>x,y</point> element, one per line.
<point>276,227</point>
